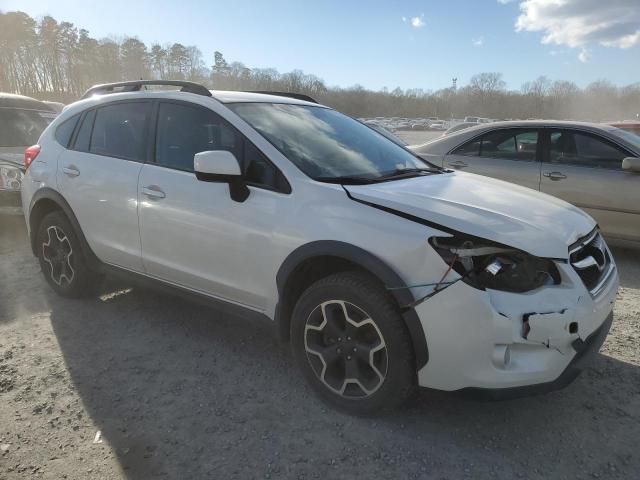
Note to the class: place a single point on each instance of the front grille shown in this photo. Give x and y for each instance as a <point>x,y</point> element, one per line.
<point>591,260</point>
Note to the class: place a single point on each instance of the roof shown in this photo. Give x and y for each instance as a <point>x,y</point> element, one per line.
<point>11,100</point>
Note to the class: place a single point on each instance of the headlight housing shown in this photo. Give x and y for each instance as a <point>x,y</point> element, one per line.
<point>488,265</point>
<point>10,178</point>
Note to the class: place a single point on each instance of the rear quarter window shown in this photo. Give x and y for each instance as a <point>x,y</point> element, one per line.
<point>65,131</point>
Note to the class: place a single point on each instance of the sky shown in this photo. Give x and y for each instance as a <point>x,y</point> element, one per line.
<point>376,44</point>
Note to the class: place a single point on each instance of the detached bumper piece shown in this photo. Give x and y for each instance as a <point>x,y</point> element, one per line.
<point>585,349</point>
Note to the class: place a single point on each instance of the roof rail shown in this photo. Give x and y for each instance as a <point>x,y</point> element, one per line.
<point>136,85</point>
<point>297,96</point>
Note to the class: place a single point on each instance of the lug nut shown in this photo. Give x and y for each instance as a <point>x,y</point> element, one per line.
<point>355,349</point>
<point>339,339</point>
<point>339,350</point>
<point>349,339</point>
<point>348,357</point>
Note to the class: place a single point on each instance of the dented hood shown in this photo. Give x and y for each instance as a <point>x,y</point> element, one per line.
<point>516,216</point>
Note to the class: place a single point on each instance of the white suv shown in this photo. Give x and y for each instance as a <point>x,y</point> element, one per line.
<point>382,271</point>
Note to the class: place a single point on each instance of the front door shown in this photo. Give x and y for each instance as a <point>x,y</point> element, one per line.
<point>193,234</point>
<point>586,170</point>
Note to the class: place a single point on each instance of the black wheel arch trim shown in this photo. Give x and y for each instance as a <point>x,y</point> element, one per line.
<point>47,193</point>
<point>367,261</point>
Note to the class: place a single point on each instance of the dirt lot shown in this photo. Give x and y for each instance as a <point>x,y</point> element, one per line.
<point>177,390</point>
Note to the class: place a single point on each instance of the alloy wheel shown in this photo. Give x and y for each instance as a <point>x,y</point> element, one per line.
<point>57,252</point>
<point>346,349</point>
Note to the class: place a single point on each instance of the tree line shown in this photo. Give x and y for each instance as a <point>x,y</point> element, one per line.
<point>52,60</point>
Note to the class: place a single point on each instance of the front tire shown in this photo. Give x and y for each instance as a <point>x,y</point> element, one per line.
<point>352,345</point>
<point>62,259</point>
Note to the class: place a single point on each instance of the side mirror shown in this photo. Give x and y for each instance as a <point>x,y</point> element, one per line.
<point>631,163</point>
<point>221,166</point>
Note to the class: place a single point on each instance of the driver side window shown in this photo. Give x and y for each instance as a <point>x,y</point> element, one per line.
<point>184,130</point>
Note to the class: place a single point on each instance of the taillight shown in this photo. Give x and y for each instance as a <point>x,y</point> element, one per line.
<point>30,155</point>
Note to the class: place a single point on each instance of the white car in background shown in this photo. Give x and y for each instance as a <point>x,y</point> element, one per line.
<point>382,271</point>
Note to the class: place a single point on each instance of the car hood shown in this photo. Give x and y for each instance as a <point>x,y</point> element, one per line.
<point>484,207</point>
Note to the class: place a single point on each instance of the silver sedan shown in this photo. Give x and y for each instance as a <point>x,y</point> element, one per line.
<point>594,166</point>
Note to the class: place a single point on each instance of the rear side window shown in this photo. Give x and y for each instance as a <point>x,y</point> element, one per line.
<point>84,133</point>
<point>510,145</point>
<point>582,149</point>
<point>469,149</point>
<point>65,131</point>
<point>120,130</point>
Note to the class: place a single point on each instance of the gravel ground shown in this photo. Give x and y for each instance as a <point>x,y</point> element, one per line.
<point>177,390</point>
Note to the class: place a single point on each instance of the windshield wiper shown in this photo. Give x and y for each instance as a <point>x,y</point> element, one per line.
<point>347,180</point>
<point>398,173</point>
<point>408,172</point>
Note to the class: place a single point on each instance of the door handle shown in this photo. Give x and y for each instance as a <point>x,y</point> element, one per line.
<point>71,171</point>
<point>153,191</point>
<point>458,164</point>
<point>554,175</point>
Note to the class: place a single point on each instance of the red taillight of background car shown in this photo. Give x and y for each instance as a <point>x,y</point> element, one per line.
<point>30,155</point>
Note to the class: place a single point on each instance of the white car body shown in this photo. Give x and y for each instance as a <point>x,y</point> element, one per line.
<point>196,237</point>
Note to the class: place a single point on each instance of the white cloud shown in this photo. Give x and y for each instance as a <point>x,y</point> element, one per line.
<point>417,22</point>
<point>404,19</point>
<point>579,23</point>
<point>504,2</point>
<point>478,42</point>
<point>584,55</point>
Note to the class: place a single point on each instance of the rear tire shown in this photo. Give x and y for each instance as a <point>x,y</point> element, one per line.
<point>349,339</point>
<point>62,260</point>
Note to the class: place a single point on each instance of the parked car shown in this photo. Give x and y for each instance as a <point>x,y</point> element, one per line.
<point>632,126</point>
<point>383,131</point>
<point>22,120</point>
<point>56,106</point>
<point>381,270</point>
<point>471,119</point>
<point>437,125</point>
<point>594,166</point>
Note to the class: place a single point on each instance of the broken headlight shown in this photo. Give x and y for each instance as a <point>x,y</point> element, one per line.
<point>484,264</point>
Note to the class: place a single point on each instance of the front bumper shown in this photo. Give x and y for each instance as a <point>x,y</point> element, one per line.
<point>476,341</point>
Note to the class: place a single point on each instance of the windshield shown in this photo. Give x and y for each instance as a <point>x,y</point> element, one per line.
<point>22,128</point>
<point>326,144</point>
<point>628,136</point>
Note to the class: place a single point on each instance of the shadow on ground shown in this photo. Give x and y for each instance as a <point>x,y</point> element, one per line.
<point>182,391</point>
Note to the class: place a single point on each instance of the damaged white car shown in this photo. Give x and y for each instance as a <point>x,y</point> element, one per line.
<point>382,271</point>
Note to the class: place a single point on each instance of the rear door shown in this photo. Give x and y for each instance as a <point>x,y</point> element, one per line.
<point>507,154</point>
<point>586,169</point>
<point>98,176</point>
